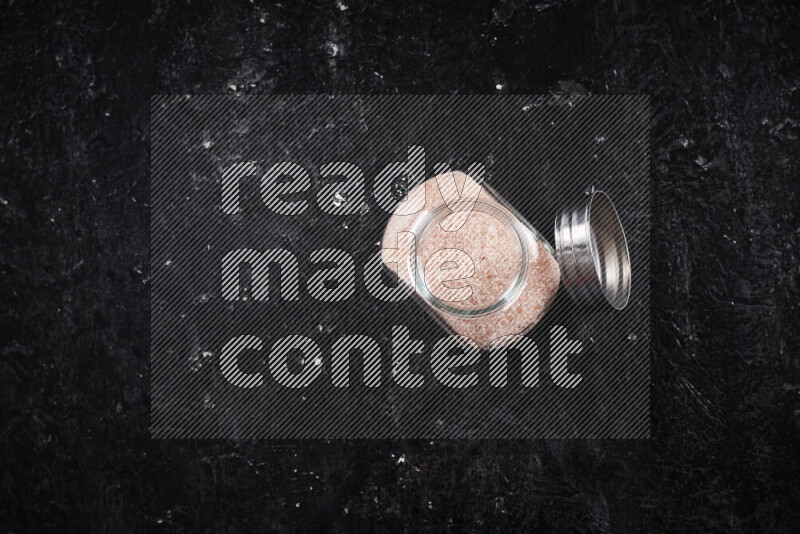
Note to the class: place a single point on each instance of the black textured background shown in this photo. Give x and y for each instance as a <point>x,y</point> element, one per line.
<point>75,85</point>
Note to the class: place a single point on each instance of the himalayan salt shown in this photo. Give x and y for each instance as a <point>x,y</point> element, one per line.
<point>516,275</point>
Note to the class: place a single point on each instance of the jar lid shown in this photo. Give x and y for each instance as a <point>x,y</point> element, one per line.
<point>592,251</point>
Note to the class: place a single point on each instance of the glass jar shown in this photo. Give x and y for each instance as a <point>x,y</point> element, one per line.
<point>486,273</point>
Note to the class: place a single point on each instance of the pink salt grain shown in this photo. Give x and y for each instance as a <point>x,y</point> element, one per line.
<point>498,259</point>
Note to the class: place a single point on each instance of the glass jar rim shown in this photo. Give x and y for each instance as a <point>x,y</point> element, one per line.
<point>511,220</point>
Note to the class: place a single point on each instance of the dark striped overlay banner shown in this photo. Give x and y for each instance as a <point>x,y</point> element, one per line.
<point>271,317</point>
